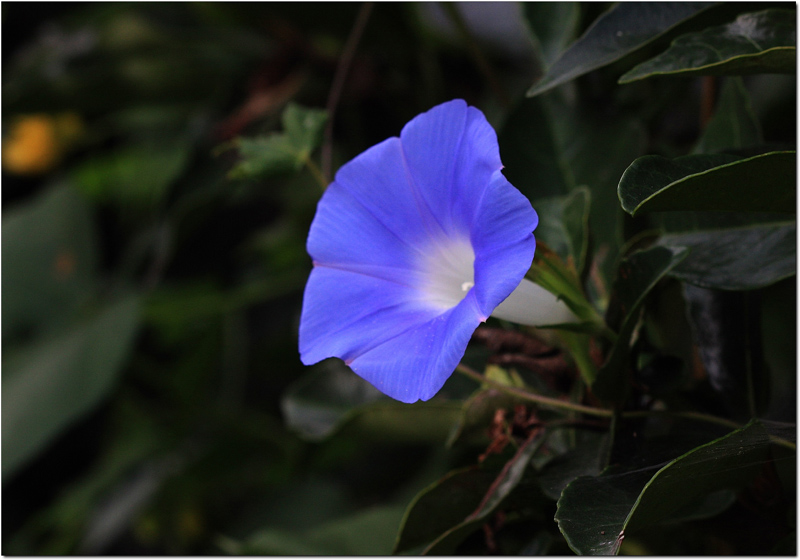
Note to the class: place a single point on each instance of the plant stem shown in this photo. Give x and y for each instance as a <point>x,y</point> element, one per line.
<point>549,402</point>
<point>314,169</point>
<point>342,69</point>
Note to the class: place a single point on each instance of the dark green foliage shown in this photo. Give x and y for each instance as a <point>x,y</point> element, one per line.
<point>162,164</point>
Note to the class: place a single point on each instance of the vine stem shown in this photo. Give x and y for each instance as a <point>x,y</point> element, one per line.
<point>533,397</point>
<point>550,402</point>
<point>342,68</point>
<point>319,177</point>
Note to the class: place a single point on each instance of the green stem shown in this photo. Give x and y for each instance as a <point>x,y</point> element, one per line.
<point>337,87</point>
<point>316,172</point>
<point>549,402</point>
<point>546,402</point>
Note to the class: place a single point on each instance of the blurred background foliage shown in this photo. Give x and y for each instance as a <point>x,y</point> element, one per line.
<point>161,166</point>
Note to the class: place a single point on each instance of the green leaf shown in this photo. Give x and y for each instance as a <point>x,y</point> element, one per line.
<point>586,459</point>
<point>553,26</point>
<point>564,226</point>
<point>638,275</point>
<point>367,533</point>
<point>596,513</point>
<point>51,383</point>
<point>304,126</point>
<point>278,153</point>
<point>469,492</point>
<point>549,146</point>
<point>755,43</point>
<point>763,183</point>
<point>49,260</point>
<point>624,29</point>
<point>734,124</point>
<point>561,280</point>
<point>738,258</point>
<point>442,506</point>
<point>332,398</point>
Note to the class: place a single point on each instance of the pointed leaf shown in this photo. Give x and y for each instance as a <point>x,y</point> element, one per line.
<point>278,153</point>
<point>625,28</point>
<point>734,124</point>
<point>736,259</point>
<point>756,43</point>
<point>763,183</point>
<point>507,486</point>
<point>442,506</point>
<point>553,26</point>
<point>596,513</point>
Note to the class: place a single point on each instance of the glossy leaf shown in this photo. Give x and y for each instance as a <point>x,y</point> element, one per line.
<point>507,486</point>
<point>625,28</point>
<point>763,183</point>
<point>595,514</point>
<point>282,152</point>
<point>638,275</point>
<point>51,383</point>
<point>755,43</point>
<point>442,506</point>
<point>49,261</point>
<point>734,124</point>
<point>586,459</point>
<point>736,259</point>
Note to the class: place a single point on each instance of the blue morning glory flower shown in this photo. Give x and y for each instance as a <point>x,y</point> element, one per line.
<point>416,242</point>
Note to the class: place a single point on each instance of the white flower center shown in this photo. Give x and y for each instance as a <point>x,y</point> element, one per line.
<point>448,272</point>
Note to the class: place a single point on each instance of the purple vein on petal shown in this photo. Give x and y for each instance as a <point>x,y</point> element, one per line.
<point>423,207</point>
<point>371,271</point>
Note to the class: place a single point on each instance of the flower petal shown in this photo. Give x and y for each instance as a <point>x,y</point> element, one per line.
<point>406,228</point>
<point>503,242</point>
<point>451,152</point>
<point>378,180</point>
<point>346,234</point>
<point>415,365</point>
<point>346,313</point>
